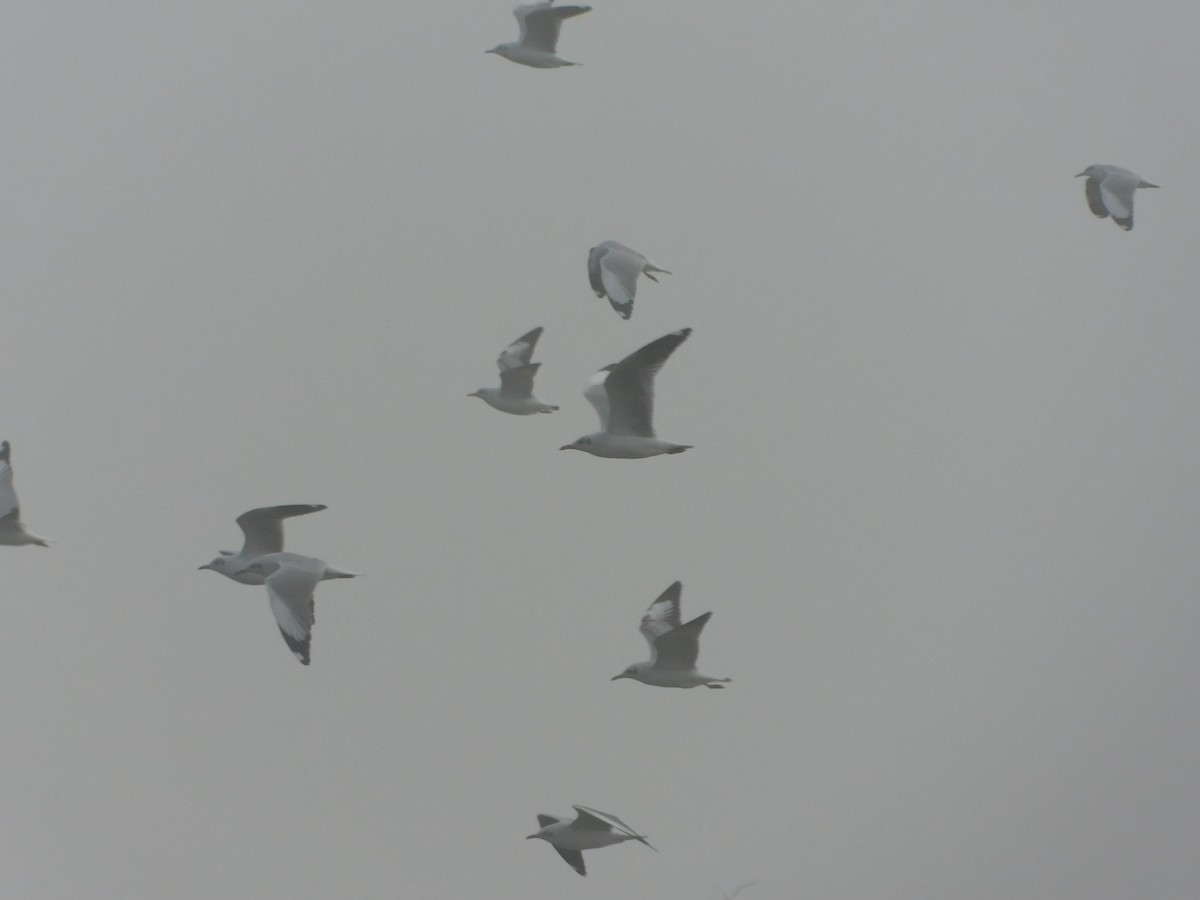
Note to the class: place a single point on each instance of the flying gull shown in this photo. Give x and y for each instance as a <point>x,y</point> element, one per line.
<point>613,270</point>
<point>515,394</point>
<point>590,829</point>
<point>12,530</point>
<point>540,24</point>
<point>263,528</point>
<point>623,395</point>
<point>673,647</point>
<point>1109,191</point>
<point>291,580</point>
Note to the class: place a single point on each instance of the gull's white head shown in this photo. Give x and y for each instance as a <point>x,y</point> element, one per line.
<point>635,672</point>
<point>581,444</point>
<point>220,564</point>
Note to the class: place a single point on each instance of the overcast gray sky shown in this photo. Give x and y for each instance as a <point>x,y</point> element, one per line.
<point>943,501</point>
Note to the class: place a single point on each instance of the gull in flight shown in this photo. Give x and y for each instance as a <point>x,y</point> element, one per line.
<point>515,394</point>
<point>589,830</point>
<point>1109,191</point>
<point>12,530</point>
<point>673,646</point>
<point>540,24</point>
<point>291,580</point>
<point>613,270</point>
<point>263,528</point>
<point>623,395</point>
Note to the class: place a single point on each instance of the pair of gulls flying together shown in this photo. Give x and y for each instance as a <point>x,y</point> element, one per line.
<point>12,529</point>
<point>540,24</point>
<point>622,394</point>
<point>674,646</point>
<point>1109,191</point>
<point>291,579</point>
<point>589,830</point>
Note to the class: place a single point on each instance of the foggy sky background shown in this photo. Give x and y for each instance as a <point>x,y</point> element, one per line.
<point>943,499</point>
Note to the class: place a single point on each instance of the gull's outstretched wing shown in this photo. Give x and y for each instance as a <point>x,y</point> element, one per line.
<point>663,615</point>
<point>593,820</point>
<point>597,395</point>
<point>10,508</point>
<point>630,385</point>
<point>541,22</point>
<point>574,858</point>
<point>263,527</point>
<point>679,647</point>
<point>519,352</point>
<point>518,382</point>
<point>1091,188</point>
<point>619,269</point>
<point>1116,192</point>
<point>291,589</point>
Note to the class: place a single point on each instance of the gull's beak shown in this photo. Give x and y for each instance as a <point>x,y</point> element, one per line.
<point>528,836</point>
<point>475,393</point>
<point>1081,174</point>
<point>618,677</point>
<point>567,447</point>
<point>205,566</point>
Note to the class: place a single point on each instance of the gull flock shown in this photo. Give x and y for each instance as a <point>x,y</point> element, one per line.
<point>622,394</point>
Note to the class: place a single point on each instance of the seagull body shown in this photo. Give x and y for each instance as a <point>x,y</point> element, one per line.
<point>263,530</point>
<point>515,394</point>
<point>291,580</point>
<point>540,24</point>
<point>1109,191</point>
<point>589,830</point>
<point>623,395</point>
<point>673,646</point>
<point>12,530</point>
<point>613,270</point>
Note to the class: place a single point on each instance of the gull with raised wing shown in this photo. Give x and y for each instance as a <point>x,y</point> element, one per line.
<point>613,270</point>
<point>673,646</point>
<point>540,24</point>
<point>623,395</point>
<point>515,394</point>
<point>12,529</point>
<point>263,530</point>
<point>291,580</point>
<point>590,829</point>
<point>1109,191</point>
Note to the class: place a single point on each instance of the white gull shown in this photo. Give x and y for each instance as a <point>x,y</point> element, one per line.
<point>12,529</point>
<point>1109,191</point>
<point>623,395</point>
<point>515,394</point>
<point>589,829</point>
<point>613,270</point>
<point>540,24</point>
<point>673,646</point>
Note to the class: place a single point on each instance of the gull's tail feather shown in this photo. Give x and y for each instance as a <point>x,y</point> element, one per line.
<point>651,267</point>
